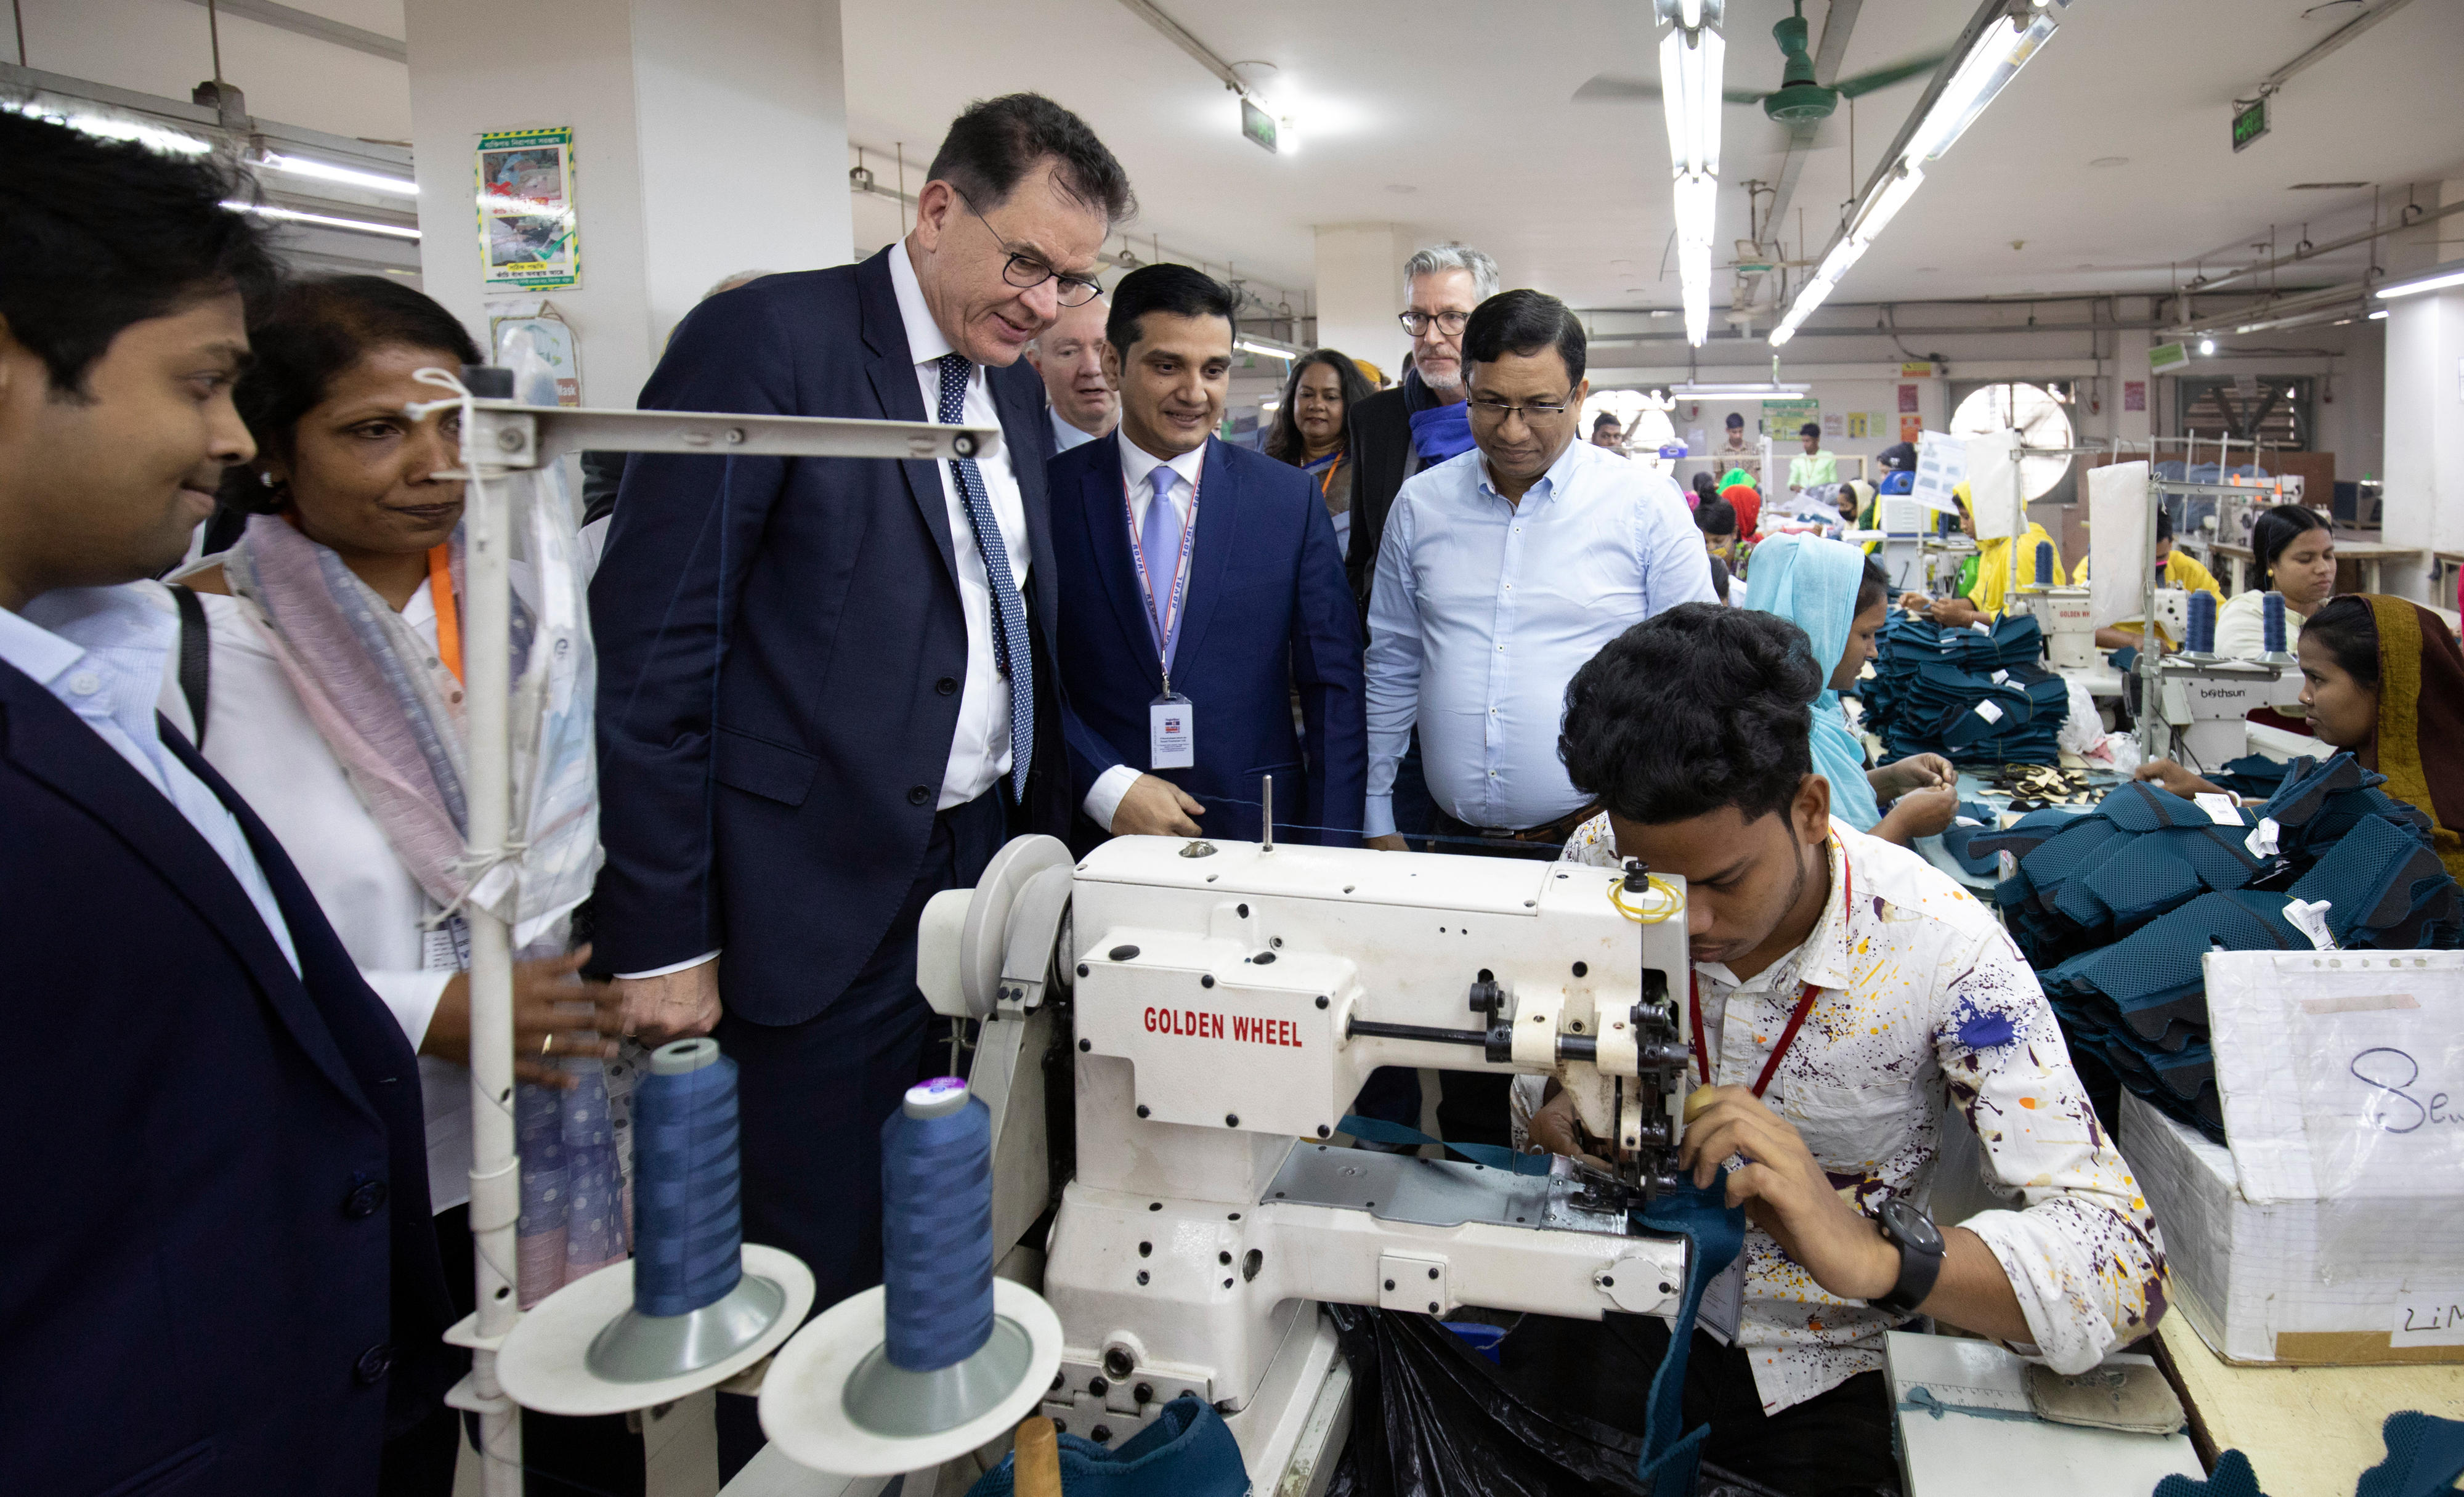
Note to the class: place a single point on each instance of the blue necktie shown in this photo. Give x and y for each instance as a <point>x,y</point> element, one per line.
<point>1160,538</point>
<point>1010,649</point>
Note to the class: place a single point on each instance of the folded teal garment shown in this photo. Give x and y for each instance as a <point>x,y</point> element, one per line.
<point>1185,1451</point>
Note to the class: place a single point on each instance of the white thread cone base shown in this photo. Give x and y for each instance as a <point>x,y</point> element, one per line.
<point>546,1363</point>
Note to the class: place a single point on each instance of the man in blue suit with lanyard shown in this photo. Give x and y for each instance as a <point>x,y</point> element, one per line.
<point>1205,589</point>
<point>825,686</point>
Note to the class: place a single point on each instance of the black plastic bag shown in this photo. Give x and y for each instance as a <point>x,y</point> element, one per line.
<point>1430,1417</point>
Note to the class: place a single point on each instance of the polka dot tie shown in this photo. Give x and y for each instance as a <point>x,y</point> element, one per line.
<point>1010,647</point>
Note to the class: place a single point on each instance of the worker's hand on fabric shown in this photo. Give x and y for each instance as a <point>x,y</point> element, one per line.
<point>1557,1128</point>
<point>1915,772</point>
<point>674,1006</point>
<point>1392,842</point>
<point>1914,602</point>
<point>1785,1192</point>
<point>1957,613</point>
<point>1154,806</point>
<point>2174,778</point>
<point>1918,813</point>
<point>556,1012</point>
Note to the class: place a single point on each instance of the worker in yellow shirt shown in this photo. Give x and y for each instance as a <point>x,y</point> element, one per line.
<point>1986,576</point>
<point>2175,568</point>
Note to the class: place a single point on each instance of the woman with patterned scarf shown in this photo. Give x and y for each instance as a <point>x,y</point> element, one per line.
<point>334,705</point>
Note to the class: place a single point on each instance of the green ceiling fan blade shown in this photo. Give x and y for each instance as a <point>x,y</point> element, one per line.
<point>1883,78</point>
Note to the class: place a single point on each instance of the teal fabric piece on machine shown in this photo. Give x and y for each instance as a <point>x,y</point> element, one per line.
<point>1376,1130</point>
<point>2425,1455</point>
<point>1714,1233</point>
<point>2232,1478</point>
<point>1188,1452</point>
<point>1813,583</point>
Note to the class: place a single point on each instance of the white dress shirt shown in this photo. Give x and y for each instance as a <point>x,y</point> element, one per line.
<point>1924,1015</point>
<point>979,749</point>
<point>1137,466</point>
<point>1484,609</point>
<point>260,738</point>
<point>104,652</point>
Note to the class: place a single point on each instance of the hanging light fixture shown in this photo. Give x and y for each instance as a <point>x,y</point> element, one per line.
<point>1691,56</point>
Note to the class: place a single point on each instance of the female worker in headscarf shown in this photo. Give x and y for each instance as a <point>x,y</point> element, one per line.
<point>1981,591</point>
<point>2384,681</point>
<point>1828,589</point>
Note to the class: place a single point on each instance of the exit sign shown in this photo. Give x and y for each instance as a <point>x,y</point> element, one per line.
<point>1258,125</point>
<point>2248,121</point>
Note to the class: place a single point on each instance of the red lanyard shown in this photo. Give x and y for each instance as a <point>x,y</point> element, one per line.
<point>1795,1020</point>
<point>1166,623</point>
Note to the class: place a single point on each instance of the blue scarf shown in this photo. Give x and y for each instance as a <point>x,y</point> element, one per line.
<point>1438,432</point>
<point>1813,583</point>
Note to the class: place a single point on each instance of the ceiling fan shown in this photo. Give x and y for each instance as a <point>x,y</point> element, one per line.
<point>1799,103</point>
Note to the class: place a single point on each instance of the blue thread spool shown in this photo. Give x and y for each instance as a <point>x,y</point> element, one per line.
<point>2044,564</point>
<point>2202,623</point>
<point>694,1305</point>
<point>2271,613</point>
<point>945,1356</point>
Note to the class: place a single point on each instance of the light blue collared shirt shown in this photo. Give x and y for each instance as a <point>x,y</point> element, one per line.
<point>1482,610</point>
<point>102,651</point>
<point>1064,436</point>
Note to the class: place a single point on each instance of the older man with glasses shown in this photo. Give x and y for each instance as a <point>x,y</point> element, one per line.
<point>1502,571</point>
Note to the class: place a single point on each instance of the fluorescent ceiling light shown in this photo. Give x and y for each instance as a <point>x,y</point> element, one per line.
<point>1884,205</point>
<point>1740,390</point>
<point>110,127</point>
<point>2437,279</point>
<point>1993,61</point>
<point>1690,93</point>
<point>1251,345</point>
<point>2380,315</point>
<point>2206,347</point>
<point>1697,203</point>
<point>322,220</point>
<point>1843,254</point>
<point>328,172</point>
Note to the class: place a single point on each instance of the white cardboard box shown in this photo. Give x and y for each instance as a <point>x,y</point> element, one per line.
<point>2327,1234</point>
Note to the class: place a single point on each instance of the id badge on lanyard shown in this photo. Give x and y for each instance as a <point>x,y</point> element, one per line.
<point>446,948</point>
<point>1172,720</point>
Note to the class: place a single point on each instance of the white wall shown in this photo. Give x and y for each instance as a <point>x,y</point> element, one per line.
<point>1359,290</point>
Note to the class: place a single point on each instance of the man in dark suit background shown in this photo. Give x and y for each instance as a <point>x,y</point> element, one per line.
<point>1204,588</point>
<point>217,1270</point>
<point>826,689</point>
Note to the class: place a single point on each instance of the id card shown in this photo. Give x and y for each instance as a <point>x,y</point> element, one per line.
<point>1724,1301</point>
<point>446,948</point>
<point>1172,734</point>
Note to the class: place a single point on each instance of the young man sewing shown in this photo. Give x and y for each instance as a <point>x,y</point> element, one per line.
<point>1846,998</point>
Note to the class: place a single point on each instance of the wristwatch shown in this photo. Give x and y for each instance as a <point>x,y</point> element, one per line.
<point>1918,1241</point>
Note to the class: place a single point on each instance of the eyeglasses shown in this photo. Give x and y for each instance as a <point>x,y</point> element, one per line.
<point>1451,323</point>
<point>1025,271</point>
<point>1531,411</point>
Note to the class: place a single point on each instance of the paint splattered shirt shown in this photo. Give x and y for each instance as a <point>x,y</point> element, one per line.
<point>1923,1005</point>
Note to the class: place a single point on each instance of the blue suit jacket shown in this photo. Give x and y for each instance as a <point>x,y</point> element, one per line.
<point>782,648</point>
<point>218,1272</point>
<point>1268,610</point>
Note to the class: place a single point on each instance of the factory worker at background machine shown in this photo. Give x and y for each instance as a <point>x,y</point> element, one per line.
<point>1845,1001</point>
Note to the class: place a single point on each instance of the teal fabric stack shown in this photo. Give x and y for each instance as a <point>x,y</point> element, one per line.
<point>1976,696</point>
<point>2118,908</point>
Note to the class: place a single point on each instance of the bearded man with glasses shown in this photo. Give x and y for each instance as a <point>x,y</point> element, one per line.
<point>826,688</point>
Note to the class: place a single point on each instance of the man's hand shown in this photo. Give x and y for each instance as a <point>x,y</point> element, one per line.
<point>1155,807</point>
<point>1918,813</point>
<point>1957,613</point>
<point>1786,1194</point>
<point>1915,772</point>
<point>674,1006</point>
<point>1557,1128</point>
<point>1392,842</point>
<point>556,1012</point>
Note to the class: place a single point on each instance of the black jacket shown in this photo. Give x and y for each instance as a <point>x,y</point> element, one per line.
<point>1378,436</point>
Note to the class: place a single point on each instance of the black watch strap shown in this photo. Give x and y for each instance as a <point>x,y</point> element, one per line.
<point>1921,1253</point>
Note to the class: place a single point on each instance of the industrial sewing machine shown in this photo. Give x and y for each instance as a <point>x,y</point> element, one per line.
<point>1172,1032</point>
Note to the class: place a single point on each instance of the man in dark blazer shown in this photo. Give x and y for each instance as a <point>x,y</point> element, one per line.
<point>217,1270</point>
<point>826,687</point>
<point>1204,589</point>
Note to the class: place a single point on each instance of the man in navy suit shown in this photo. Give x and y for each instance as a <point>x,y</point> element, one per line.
<point>217,1272</point>
<point>826,686</point>
<point>1204,587</point>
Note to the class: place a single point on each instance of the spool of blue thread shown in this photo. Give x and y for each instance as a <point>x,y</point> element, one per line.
<point>937,1202</point>
<point>688,1218</point>
<point>2044,564</point>
<point>2203,623</point>
<point>2271,613</point>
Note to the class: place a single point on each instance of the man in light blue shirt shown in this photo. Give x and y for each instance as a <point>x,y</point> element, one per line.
<point>1501,572</point>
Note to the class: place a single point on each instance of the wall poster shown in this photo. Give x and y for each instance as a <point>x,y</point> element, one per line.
<point>528,236</point>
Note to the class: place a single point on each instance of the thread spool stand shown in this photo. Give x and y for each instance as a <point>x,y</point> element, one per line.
<point>834,1399</point>
<point>589,1349</point>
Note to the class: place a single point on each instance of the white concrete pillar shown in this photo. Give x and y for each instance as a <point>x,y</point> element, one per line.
<point>2425,429</point>
<point>710,137</point>
<point>1359,290</point>
<point>2130,369</point>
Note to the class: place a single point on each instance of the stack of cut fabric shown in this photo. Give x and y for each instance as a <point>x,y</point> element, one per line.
<point>1976,696</point>
<point>2118,908</point>
<point>2252,774</point>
